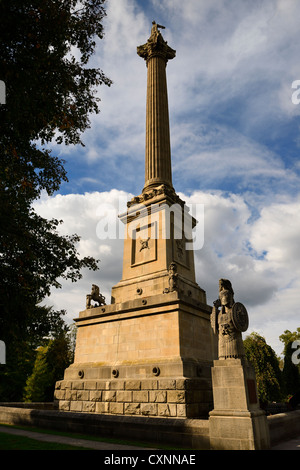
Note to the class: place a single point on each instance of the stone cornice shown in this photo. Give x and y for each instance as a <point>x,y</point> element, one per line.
<point>163,191</point>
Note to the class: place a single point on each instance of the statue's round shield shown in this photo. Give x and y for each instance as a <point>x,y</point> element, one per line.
<point>214,320</point>
<point>240,316</point>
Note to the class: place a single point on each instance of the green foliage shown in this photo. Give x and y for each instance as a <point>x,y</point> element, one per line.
<point>19,362</point>
<point>41,378</point>
<point>50,363</point>
<point>266,365</point>
<point>288,337</point>
<point>45,49</point>
<point>50,94</point>
<point>21,351</point>
<point>291,371</point>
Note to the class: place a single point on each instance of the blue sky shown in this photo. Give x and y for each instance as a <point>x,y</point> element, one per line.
<point>234,140</point>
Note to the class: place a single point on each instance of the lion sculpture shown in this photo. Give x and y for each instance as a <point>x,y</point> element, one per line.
<point>95,296</point>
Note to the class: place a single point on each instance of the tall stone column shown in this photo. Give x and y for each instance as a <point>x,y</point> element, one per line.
<point>156,52</point>
<point>149,352</point>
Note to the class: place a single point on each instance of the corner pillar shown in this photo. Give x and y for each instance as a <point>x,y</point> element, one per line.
<point>236,422</point>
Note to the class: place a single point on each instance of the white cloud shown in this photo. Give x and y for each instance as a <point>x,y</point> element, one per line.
<point>233,57</point>
<point>278,228</point>
<point>227,250</point>
<point>121,109</point>
<point>81,213</point>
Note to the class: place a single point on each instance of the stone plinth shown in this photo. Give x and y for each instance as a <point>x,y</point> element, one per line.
<point>159,230</point>
<point>149,356</point>
<point>236,422</point>
<point>150,351</point>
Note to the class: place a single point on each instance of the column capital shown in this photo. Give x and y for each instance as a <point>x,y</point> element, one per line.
<point>156,46</point>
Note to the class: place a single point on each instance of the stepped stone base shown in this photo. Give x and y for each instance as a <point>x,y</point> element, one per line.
<point>165,397</point>
<point>149,356</point>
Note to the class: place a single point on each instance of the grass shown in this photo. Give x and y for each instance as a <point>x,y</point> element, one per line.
<point>89,437</point>
<point>13,442</point>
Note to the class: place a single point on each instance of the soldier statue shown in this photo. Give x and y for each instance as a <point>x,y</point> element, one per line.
<point>229,319</point>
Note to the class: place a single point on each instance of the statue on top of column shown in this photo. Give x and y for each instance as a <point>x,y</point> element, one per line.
<point>154,31</point>
<point>229,322</point>
<point>156,45</point>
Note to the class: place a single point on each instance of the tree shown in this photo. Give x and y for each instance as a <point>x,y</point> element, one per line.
<point>45,324</point>
<point>13,375</point>
<point>40,380</point>
<point>50,363</point>
<point>50,93</point>
<point>45,49</point>
<point>266,365</point>
<point>291,371</point>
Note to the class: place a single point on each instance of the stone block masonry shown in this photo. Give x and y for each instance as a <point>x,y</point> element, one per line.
<point>148,397</point>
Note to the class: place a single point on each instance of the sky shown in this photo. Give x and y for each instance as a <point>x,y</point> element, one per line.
<point>235,137</point>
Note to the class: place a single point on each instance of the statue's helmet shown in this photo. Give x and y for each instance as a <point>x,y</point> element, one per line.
<point>225,285</point>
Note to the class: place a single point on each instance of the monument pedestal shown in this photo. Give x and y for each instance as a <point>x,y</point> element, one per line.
<point>236,422</point>
<point>150,351</point>
<point>155,359</point>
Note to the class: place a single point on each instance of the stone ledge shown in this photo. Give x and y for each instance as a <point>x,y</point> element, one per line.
<point>191,433</point>
<point>237,413</point>
<point>142,384</point>
<point>133,307</point>
<point>184,433</point>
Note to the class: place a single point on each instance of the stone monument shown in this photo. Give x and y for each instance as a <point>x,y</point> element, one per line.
<point>236,422</point>
<point>150,351</point>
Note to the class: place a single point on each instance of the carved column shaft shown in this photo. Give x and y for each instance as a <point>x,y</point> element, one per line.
<point>158,151</point>
<point>156,52</point>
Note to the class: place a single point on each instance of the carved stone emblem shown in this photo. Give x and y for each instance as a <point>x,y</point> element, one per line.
<point>144,244</point>
<point>180,248</point>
